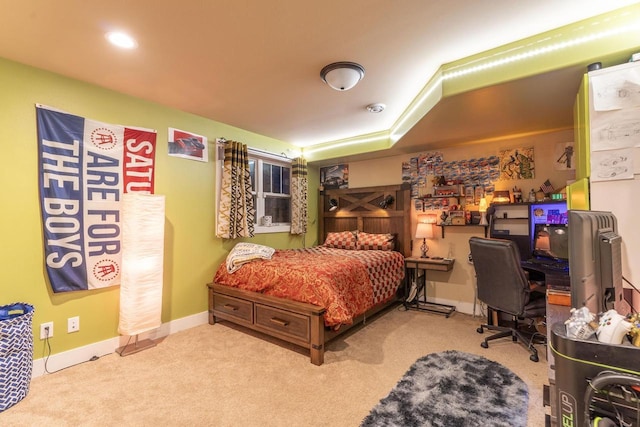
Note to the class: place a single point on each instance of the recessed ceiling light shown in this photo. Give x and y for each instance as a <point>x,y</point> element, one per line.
<point>122,40</point>
<point>376,108</point>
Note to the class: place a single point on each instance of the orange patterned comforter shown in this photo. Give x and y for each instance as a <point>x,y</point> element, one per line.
<point>345,282</point>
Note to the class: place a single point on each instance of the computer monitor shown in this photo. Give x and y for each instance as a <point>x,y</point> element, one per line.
<point>595,261</point>
<point>549,217</point>
<point>548,213</point>
<point>551,241</point>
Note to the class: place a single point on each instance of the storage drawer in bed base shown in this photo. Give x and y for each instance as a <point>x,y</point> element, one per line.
<point>296,326</point>
<point>298,323</point>
<point>234,308</point>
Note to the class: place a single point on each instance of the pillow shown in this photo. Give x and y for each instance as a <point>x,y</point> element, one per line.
<point>341,240</point>
<point>381,242</point>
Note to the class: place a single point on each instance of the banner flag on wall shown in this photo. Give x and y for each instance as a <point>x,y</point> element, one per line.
<point>84,168</point>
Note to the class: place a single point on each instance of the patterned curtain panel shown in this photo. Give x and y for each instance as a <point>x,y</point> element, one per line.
<point>299,190</point>
<point>237,212</point>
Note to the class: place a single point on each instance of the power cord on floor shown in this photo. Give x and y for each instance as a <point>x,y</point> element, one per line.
<point>47,346</point>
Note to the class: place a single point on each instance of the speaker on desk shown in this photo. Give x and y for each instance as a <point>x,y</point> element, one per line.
<point>491,211</point>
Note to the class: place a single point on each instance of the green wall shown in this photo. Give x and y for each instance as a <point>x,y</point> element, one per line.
<point>192,252</point>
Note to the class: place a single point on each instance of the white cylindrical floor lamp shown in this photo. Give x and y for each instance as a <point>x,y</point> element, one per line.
<point>142,268</point>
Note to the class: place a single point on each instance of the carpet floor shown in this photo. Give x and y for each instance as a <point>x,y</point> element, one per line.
<point>219,376</point>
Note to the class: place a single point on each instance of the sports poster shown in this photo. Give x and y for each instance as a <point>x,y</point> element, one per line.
<point>84,167</point>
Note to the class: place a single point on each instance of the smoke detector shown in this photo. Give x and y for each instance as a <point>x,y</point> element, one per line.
<point>376,108</point>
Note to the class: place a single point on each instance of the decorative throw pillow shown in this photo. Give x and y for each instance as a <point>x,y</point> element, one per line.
<point>381,242</point>
<point>341,240</point>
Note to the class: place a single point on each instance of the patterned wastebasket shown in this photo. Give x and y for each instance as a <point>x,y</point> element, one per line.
<point>16,353</point>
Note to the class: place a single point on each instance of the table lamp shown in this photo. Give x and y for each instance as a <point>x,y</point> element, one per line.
<point>482,208</point>
<point>424,231</point>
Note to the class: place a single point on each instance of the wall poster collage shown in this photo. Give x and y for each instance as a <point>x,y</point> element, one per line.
<point>470,179</point>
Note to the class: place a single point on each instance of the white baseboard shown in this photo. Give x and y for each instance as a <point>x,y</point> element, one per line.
<point>83,354</point>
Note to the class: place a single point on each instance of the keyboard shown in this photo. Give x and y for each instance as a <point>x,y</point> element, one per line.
<point>545,264</point>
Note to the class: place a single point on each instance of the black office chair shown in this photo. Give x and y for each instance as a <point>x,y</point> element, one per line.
<point>504,287</point>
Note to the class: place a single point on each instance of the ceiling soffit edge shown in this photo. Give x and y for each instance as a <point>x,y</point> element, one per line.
<point>573,44</point>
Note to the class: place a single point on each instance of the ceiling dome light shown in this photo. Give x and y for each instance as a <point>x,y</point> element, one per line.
<point>376,108</point>
<point>122,40</point>
<point>342,75</point>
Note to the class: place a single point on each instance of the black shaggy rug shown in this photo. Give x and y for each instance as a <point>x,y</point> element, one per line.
<point>452,389</point>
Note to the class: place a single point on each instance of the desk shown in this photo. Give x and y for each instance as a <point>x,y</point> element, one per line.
<point>558,290</point>
<point>413,266</point>
<point>556,278</point>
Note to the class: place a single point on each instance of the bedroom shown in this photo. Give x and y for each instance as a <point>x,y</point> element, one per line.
<point>190,225</point>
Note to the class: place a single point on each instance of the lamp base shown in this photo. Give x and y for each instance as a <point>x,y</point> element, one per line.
<point>483,219</point>
<point>135,347</point>
<point>424,249</point>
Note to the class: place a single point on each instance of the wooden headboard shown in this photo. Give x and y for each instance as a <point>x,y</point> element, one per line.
<point>359,209</point>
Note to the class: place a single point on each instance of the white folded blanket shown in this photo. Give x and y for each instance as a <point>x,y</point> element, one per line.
<point>246,252</point>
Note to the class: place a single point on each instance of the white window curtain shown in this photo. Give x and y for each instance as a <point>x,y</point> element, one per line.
<point>299,190</point>
<point>236,212</point>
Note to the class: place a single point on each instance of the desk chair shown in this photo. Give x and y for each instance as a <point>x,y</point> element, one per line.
<point>503,286</point>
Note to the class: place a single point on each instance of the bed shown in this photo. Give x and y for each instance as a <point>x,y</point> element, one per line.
<point>290,296</point>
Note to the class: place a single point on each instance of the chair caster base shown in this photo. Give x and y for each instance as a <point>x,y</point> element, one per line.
<point>480,330</point>
<point>484,344</point>
<point>534,358</point>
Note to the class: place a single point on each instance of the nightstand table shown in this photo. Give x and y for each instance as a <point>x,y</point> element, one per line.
<point>413,266</point>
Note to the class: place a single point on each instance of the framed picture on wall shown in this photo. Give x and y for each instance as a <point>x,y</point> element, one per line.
<point>517,163</point>
<point>334,177</point>
<point>187,145</point>
<point>564,156</point>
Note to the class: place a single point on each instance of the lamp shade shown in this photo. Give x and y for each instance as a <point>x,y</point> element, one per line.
<point>424,231</point>
<point>342,75</point>
<point>482,207</point>
<point>142,263</point>
<point>501,196</point>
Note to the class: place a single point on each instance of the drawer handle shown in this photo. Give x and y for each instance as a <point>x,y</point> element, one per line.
<point>230,307</point>
<point>279,321</point>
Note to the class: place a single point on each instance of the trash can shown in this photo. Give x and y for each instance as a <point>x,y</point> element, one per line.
<point>577,364</point>
<point>16,353</point>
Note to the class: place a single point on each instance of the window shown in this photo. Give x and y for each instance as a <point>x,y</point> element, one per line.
<point>271,188</point>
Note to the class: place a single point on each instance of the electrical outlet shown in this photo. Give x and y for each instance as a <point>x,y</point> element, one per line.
<point>44,334</point>
<point>73,324</point>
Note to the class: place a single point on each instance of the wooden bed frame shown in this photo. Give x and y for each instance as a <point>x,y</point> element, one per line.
<point>303,324</point>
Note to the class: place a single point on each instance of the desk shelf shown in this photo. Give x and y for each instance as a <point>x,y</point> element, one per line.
<point>443,226</point>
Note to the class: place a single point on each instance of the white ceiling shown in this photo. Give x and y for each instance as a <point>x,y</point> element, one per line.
<point>255,64</point>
